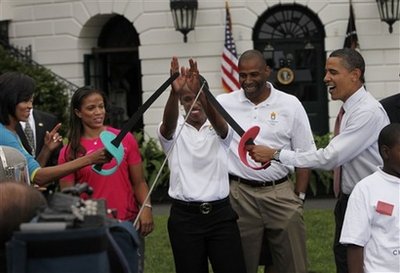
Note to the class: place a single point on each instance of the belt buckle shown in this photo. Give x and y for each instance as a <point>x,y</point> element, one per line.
<point>205,208</point>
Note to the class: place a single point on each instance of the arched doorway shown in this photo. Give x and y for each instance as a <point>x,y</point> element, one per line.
<point>114,67</point>
<point>291,37</point>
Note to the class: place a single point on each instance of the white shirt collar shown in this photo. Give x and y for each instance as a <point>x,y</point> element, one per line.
<point>350,102</point>
<point>243,98</point>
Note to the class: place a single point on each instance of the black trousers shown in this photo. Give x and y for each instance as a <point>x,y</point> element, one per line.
<point>340,250</point>
<point>196,238</point>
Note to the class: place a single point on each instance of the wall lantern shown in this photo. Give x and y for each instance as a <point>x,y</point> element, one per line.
<point>184,15</point>
<point>389,11</point>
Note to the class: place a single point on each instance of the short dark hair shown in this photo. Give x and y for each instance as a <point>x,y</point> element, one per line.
<point>352,59</point>
<point>252,53</point>
<point>19,203</point>
<point>389,136</point>
<point>15,87</point>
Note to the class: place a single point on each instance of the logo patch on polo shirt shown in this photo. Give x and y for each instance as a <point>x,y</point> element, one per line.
<point>273,118</point>
<point>384,208</point>
<point>211,130</point>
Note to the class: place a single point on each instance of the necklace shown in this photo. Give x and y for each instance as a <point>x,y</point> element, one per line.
<point>96,140</point>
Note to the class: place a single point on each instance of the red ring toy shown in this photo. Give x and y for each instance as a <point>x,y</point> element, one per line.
<point>247,137</point>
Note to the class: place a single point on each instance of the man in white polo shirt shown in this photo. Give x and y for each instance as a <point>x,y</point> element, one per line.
<point>265,199</point>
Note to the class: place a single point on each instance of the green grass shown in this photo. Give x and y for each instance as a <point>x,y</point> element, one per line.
<point>320,229</point>
<point>320,232</point>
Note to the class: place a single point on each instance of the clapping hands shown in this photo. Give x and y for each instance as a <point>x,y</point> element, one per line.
<point>188,77</point>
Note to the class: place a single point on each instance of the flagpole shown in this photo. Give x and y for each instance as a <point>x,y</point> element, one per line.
<point>227,10</point>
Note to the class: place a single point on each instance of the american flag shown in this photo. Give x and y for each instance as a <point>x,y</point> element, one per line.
<point>229,66</point>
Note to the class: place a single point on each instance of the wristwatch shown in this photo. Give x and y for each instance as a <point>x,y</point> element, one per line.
<point>276,155</point>
<point>301,195</point>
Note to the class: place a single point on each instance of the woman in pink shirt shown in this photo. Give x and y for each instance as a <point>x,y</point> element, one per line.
<point>124,190</point>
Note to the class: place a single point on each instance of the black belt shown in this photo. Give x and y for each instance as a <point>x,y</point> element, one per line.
<point>255,183</point>
<point>201,207</point>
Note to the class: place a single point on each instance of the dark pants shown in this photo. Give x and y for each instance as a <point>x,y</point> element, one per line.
<point>197,237</point>
<point>340,250</point>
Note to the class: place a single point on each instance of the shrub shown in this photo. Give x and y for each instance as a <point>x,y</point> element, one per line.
<point>153,157</point>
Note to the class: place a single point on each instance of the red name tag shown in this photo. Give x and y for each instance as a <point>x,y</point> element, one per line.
<point>384,208</point>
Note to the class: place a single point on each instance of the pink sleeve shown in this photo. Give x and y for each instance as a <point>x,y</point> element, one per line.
<point>132,149</point>
<point>61,160</point>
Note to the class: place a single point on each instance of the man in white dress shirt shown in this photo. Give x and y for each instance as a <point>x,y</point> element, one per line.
<point>354,149</point>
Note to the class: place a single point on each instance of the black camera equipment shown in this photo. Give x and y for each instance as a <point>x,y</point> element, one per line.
<point>74,235</point>
<point>67,210</point>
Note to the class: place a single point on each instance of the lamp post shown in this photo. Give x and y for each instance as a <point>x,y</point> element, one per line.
<point>184,15</point>
<point>389,11</point>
